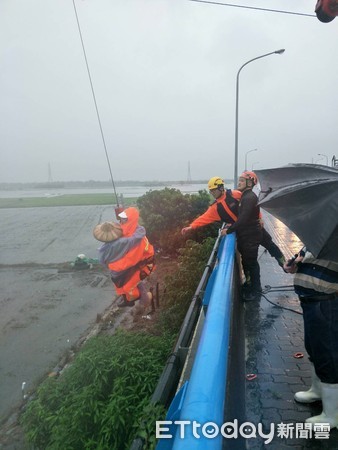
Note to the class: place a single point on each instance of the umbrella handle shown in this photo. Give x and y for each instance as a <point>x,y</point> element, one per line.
<point>291,261</point>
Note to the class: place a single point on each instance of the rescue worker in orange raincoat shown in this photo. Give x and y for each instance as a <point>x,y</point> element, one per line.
<point>226,209</point>
<point>129,258</point>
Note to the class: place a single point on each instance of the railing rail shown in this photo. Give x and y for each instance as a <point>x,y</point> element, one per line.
<point>203,398</point>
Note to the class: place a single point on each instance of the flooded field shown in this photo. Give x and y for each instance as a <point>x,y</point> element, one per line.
<point>125,191</point>
<point>45,305</point>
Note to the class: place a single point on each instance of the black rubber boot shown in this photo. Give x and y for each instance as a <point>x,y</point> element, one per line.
<point>123,302</point>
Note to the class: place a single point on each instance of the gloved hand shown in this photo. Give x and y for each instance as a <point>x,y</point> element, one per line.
<point>224,232</point>
<point>185,230</point>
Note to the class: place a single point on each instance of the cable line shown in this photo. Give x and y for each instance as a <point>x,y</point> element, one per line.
<point>97,110</point>
<point>252,7</point>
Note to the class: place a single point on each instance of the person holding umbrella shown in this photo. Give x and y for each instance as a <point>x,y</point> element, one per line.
<point>316,283</point>
<point>304,197</point>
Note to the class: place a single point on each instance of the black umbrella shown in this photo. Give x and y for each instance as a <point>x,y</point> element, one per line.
<point>305,198</point>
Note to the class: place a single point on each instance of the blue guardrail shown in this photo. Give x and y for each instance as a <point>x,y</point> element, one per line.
<point>201,400</point>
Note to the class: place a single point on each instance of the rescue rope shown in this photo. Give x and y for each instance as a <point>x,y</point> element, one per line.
<point>253,7</point>
<point>289,288</point>
<point>282,307</point>
<point>95,103</point>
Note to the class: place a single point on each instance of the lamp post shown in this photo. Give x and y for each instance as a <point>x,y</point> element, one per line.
<point>246,157</point>
<point>327,159</point>
<point>278,52</point>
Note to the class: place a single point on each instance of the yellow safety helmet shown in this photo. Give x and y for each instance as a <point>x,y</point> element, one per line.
<point>215,182</point>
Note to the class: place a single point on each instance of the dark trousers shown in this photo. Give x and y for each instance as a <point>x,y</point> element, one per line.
<point>248,248</point>
<point>321,337</point>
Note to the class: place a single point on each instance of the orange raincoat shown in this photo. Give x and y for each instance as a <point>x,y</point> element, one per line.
<point>137,262</point>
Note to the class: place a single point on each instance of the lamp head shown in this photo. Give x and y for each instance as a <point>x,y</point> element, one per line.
<point>279,52</point>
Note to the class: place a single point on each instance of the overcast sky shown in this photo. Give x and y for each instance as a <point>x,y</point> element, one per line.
<point>164,75</point>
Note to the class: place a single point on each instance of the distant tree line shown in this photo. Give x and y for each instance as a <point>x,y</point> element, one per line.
<point>92,184</point>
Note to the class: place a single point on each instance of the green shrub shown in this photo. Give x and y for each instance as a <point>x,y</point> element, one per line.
<point>181,286</point>
<point>100,399</point>
<point>165,212</point>
<point>146,425</point>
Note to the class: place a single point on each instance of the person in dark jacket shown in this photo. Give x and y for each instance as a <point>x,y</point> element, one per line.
<point>316,283</point>
<point>225,208</point>
<point>249,234</point>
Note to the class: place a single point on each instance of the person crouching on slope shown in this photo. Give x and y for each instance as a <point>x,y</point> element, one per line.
<point>128,255</point>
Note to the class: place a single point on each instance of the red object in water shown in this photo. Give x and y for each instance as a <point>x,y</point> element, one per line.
<point>298,355</point>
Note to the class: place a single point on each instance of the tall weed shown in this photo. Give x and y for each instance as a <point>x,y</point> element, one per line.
<point>99,401</point>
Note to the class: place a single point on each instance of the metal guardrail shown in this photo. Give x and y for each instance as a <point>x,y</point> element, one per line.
<point>214,390</point>
<point>202,399</point>
<point>169,379</point>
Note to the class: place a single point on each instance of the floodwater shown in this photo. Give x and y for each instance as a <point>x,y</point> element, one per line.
<point>45,305</point>
<point>126,191</point>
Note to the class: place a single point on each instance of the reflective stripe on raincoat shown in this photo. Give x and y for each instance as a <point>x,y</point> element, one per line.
<point>136,264</point>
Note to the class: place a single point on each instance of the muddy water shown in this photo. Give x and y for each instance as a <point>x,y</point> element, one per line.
<point>45,305</point>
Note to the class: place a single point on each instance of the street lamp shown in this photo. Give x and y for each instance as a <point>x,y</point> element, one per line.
<point>327,159</point>
<point>278,52</point>
<point>246,157</point>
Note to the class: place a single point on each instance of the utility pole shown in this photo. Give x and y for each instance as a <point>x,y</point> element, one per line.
<point>189,180</point>
<point>50,179</point>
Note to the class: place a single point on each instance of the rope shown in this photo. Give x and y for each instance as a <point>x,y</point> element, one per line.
<point>253,7</point>
<point>282,307</point>
<point>269,288</point>
<point>95,103</point>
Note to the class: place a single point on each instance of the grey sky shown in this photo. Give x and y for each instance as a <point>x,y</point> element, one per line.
<point>164,74</point>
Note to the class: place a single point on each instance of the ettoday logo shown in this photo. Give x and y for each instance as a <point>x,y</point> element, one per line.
<point>246,430</point>
<point>210,430</point>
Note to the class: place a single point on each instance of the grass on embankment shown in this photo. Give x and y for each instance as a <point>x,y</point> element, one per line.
<point>63,200</point>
